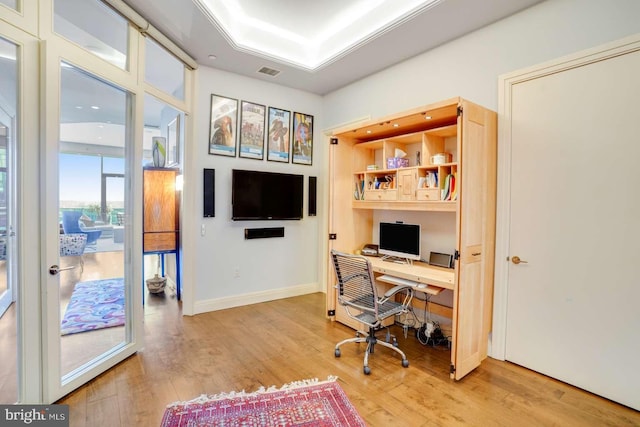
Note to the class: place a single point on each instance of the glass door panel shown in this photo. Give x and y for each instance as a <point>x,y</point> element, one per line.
<point>12,4</point>
<point>92,292</point>
<point>8,261</point>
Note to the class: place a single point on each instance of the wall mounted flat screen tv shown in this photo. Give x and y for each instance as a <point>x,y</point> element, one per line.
<point>400,240</point>
<point>257,195</point>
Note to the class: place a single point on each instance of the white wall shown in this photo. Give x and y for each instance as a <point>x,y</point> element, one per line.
<point>268,268</point>
<point>470,66</point>
<point>467,67</point>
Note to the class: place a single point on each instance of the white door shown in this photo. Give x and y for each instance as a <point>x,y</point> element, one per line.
<point>89,286</point>
<point>572,305</point>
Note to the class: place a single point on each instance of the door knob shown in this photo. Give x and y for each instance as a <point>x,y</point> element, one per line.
<point>516,260</point>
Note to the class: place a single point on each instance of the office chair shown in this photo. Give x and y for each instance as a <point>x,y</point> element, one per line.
<point>358,294</point>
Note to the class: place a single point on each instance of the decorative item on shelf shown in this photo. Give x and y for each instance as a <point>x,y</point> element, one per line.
<point>158,151</point>
<point>440,158</point>
<point>398,161</point>
<point>156,284</point>
<point>372,167</point>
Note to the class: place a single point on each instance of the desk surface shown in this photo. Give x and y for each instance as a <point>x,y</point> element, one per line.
<point>418,272</point>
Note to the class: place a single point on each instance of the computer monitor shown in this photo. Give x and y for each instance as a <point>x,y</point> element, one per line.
<point>400,240</point>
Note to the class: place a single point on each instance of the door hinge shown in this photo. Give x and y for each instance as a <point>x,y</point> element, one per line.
<point>452,369</point>
<point>331,312</point>
<point>456,255</point>
<point>333,236</point>
<point>459,111</point>
<point>334,141</point>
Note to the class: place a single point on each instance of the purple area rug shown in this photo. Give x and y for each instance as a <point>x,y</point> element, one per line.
<point>95,304</point>
<point>308,403</point>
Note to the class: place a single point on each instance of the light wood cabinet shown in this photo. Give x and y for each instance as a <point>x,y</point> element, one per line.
<point>161,220</point>
<point>361,183</point>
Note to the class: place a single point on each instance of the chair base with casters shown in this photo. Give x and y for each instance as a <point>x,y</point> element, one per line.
<point>371,341</point>
<point>358,294</point>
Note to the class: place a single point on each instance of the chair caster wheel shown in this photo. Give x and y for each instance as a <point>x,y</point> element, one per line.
<point>405,363</point>
<point>337,352</point>
<point>395,343</point>
<point>367,370</point>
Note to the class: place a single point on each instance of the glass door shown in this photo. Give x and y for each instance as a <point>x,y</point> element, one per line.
<point>8,291</point>
<point>89,287</point>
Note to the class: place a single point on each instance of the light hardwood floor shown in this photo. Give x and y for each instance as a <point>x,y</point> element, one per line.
<point>281,341</point>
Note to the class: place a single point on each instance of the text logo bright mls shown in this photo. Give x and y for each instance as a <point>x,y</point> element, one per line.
<point>34,415</point>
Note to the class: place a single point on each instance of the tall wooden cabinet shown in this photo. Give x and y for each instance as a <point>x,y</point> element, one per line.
<point>361,183</point>
<point>161,220</point>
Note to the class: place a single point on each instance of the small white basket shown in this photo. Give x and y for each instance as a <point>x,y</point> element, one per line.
<point>156,284</point>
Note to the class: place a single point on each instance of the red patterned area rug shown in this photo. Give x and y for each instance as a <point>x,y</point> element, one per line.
<point>302,403</point>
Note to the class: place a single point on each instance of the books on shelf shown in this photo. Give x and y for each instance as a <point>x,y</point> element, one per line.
<point>358,194</point>
<point>449,191</point>
<point>432,180</point>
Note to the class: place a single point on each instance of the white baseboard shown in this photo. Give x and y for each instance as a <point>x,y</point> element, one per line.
<point>255,297</point>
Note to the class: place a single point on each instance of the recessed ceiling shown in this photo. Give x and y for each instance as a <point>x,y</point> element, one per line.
<point>318,34</point>
<point>318,46</point>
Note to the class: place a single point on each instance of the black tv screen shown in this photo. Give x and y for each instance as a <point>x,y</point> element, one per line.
<point>257,195</point>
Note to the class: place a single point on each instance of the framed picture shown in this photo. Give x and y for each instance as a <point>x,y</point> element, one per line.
<point>302,141</point>
<point>278,136</point>
<point>173,142</point>
<point>252,117</point>
<point>222,127</point>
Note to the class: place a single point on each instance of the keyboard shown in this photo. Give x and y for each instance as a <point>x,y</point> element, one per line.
<point>398,281</point>
<point>420,287</point>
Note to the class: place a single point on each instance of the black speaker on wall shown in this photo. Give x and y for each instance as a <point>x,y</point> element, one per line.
<point>209,193</point>
<point>312,195</point>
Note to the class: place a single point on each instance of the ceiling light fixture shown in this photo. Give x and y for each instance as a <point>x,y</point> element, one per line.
<point>95,107</point>
<point>213,57</point>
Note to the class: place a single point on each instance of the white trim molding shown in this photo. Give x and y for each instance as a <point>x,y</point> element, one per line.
<point>255,297</point>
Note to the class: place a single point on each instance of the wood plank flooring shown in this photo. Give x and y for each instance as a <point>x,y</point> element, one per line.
<point>281,341</point>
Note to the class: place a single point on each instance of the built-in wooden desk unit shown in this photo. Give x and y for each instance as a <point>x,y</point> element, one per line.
<point>448,174</point>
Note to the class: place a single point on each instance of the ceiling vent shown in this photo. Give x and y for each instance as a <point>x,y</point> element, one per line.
<point>269,71</point>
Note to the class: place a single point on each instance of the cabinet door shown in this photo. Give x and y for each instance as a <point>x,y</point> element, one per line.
<point>160,210</point>
<point>352,227</point>
<point>407,183</point>
<point>476,213</point>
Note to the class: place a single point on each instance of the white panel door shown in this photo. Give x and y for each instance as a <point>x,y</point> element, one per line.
<point>572,310</point>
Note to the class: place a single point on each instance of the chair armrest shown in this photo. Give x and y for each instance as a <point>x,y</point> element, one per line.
<point>398,288</point>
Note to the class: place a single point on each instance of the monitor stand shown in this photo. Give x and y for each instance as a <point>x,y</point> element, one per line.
<point>397,260</point>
